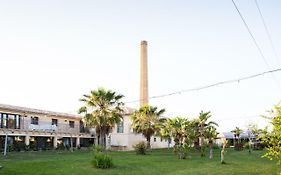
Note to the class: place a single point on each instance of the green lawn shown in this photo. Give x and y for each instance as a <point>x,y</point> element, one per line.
<point>161,162</point>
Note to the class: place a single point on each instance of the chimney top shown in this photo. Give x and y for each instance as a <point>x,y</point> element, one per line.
<point>143,42</point>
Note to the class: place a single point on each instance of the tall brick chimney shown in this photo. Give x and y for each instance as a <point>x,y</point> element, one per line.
<point>143,74</point>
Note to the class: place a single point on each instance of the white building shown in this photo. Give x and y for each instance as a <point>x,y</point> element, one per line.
<point>123,137</point>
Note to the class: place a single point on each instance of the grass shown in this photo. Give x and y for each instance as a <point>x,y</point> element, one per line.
<point>161,162</point>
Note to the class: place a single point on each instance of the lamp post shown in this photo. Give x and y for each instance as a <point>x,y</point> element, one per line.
<point>5,148</point>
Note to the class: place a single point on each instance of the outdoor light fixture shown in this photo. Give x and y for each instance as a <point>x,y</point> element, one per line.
<point>48,140</point>
<point>32,139</point>
<point>18,139</point>
<point>59,141</point>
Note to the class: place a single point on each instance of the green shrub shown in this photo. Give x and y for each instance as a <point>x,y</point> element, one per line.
<point>258,146</point>
<point>26,148</point>
<point>238,146</point>
<point>140,148</point>
<point>181,151</point>
<point>247,145</point>
<point>216,146</point>
<point>102,161</point>
<point>97,148</point>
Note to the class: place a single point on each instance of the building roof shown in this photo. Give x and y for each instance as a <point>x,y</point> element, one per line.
<point>245,134</point>
<point>128,110</point>
<point>37,111</point>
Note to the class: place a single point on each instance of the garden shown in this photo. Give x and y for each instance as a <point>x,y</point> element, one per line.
<point>160,161</point>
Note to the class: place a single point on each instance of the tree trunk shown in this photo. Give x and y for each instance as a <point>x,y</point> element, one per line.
<point>202,147</point>
<point>211,150</point>
<point>102,139</point>
<point>202,141</point>
<point>222,156</point>
<point>148,142</point>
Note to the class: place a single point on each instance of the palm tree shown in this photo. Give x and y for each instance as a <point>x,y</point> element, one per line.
<point>236,132</point>
<point>178,129</point>
<point>146,121</point>
<point>203,123</point>
<point>211,134</point>
<point>102,110</point>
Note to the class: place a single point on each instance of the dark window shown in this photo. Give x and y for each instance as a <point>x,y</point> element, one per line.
<point>34,120</point>
<point>120,127</point>
<point>55,122</point>
<point>82,127</point>
<point>71,124</point>
<point>11,121</point>
<point>154,139</point>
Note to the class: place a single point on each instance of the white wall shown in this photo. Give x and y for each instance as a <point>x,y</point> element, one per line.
<point>128,138</point>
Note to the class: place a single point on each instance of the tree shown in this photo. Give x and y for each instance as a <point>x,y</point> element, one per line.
<point>146,121</point>
<point>272,139</point>
<point>203,123</point>
<point>237,132</point>
<point>176,127</point>
<point>179,129</point>
<point>224,143</point>
<point>253,134</point>
<point>102,110</point>
<point>211,134</point>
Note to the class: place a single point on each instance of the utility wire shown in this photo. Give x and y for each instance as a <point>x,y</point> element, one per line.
<point>255,41</point>
<point>268,33</point>
<point>251,34</point>
<point>209,86</point>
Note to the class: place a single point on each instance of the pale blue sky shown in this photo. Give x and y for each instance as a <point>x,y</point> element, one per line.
<point>52,52</point>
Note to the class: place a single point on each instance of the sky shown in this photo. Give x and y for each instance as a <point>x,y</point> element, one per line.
<point>52,52</point>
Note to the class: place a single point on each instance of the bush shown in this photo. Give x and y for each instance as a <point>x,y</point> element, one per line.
<point>98,148</point>
<point>26,148</point>
<point>140,148</point>
<point>247,145</point>
<point>102,160</point>
<point>181,151</point>
<point>238,146</point>
<point>216,146</point>
<point>258,146</point>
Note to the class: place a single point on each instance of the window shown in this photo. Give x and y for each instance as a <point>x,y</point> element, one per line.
<point>18,122</point>
<point>71,124</point>
<point>55,122</point>
<point>11,121</point>
<point>154,139</point>
<point>161,139</point>
<point>34,120</point>
<point>4,121</point>
<point>120,127</point>
<point>82,127</point>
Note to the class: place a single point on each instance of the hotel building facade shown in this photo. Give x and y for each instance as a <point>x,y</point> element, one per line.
<point>40,129</point>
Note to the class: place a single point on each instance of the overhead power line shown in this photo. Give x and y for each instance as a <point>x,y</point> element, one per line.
<point>255,41</point>
<point>268,33</point>
<point>210,85</point>
<point>251,34</point>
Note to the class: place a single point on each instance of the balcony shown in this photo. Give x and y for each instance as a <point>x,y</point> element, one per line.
<point>44,127</point>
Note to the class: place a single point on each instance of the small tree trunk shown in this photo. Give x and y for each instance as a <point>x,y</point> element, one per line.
<point>222,156</point>
<point>202,147</point>
<point>102,139</point>
<point>148,142</point>
<point>211,150</point>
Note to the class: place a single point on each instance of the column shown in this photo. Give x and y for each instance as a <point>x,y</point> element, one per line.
<point>27,139</point>
<point>55,143</point>
<point>78,142</point>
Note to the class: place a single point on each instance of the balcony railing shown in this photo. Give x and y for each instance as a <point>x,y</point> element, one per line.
<point>46,126</point>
